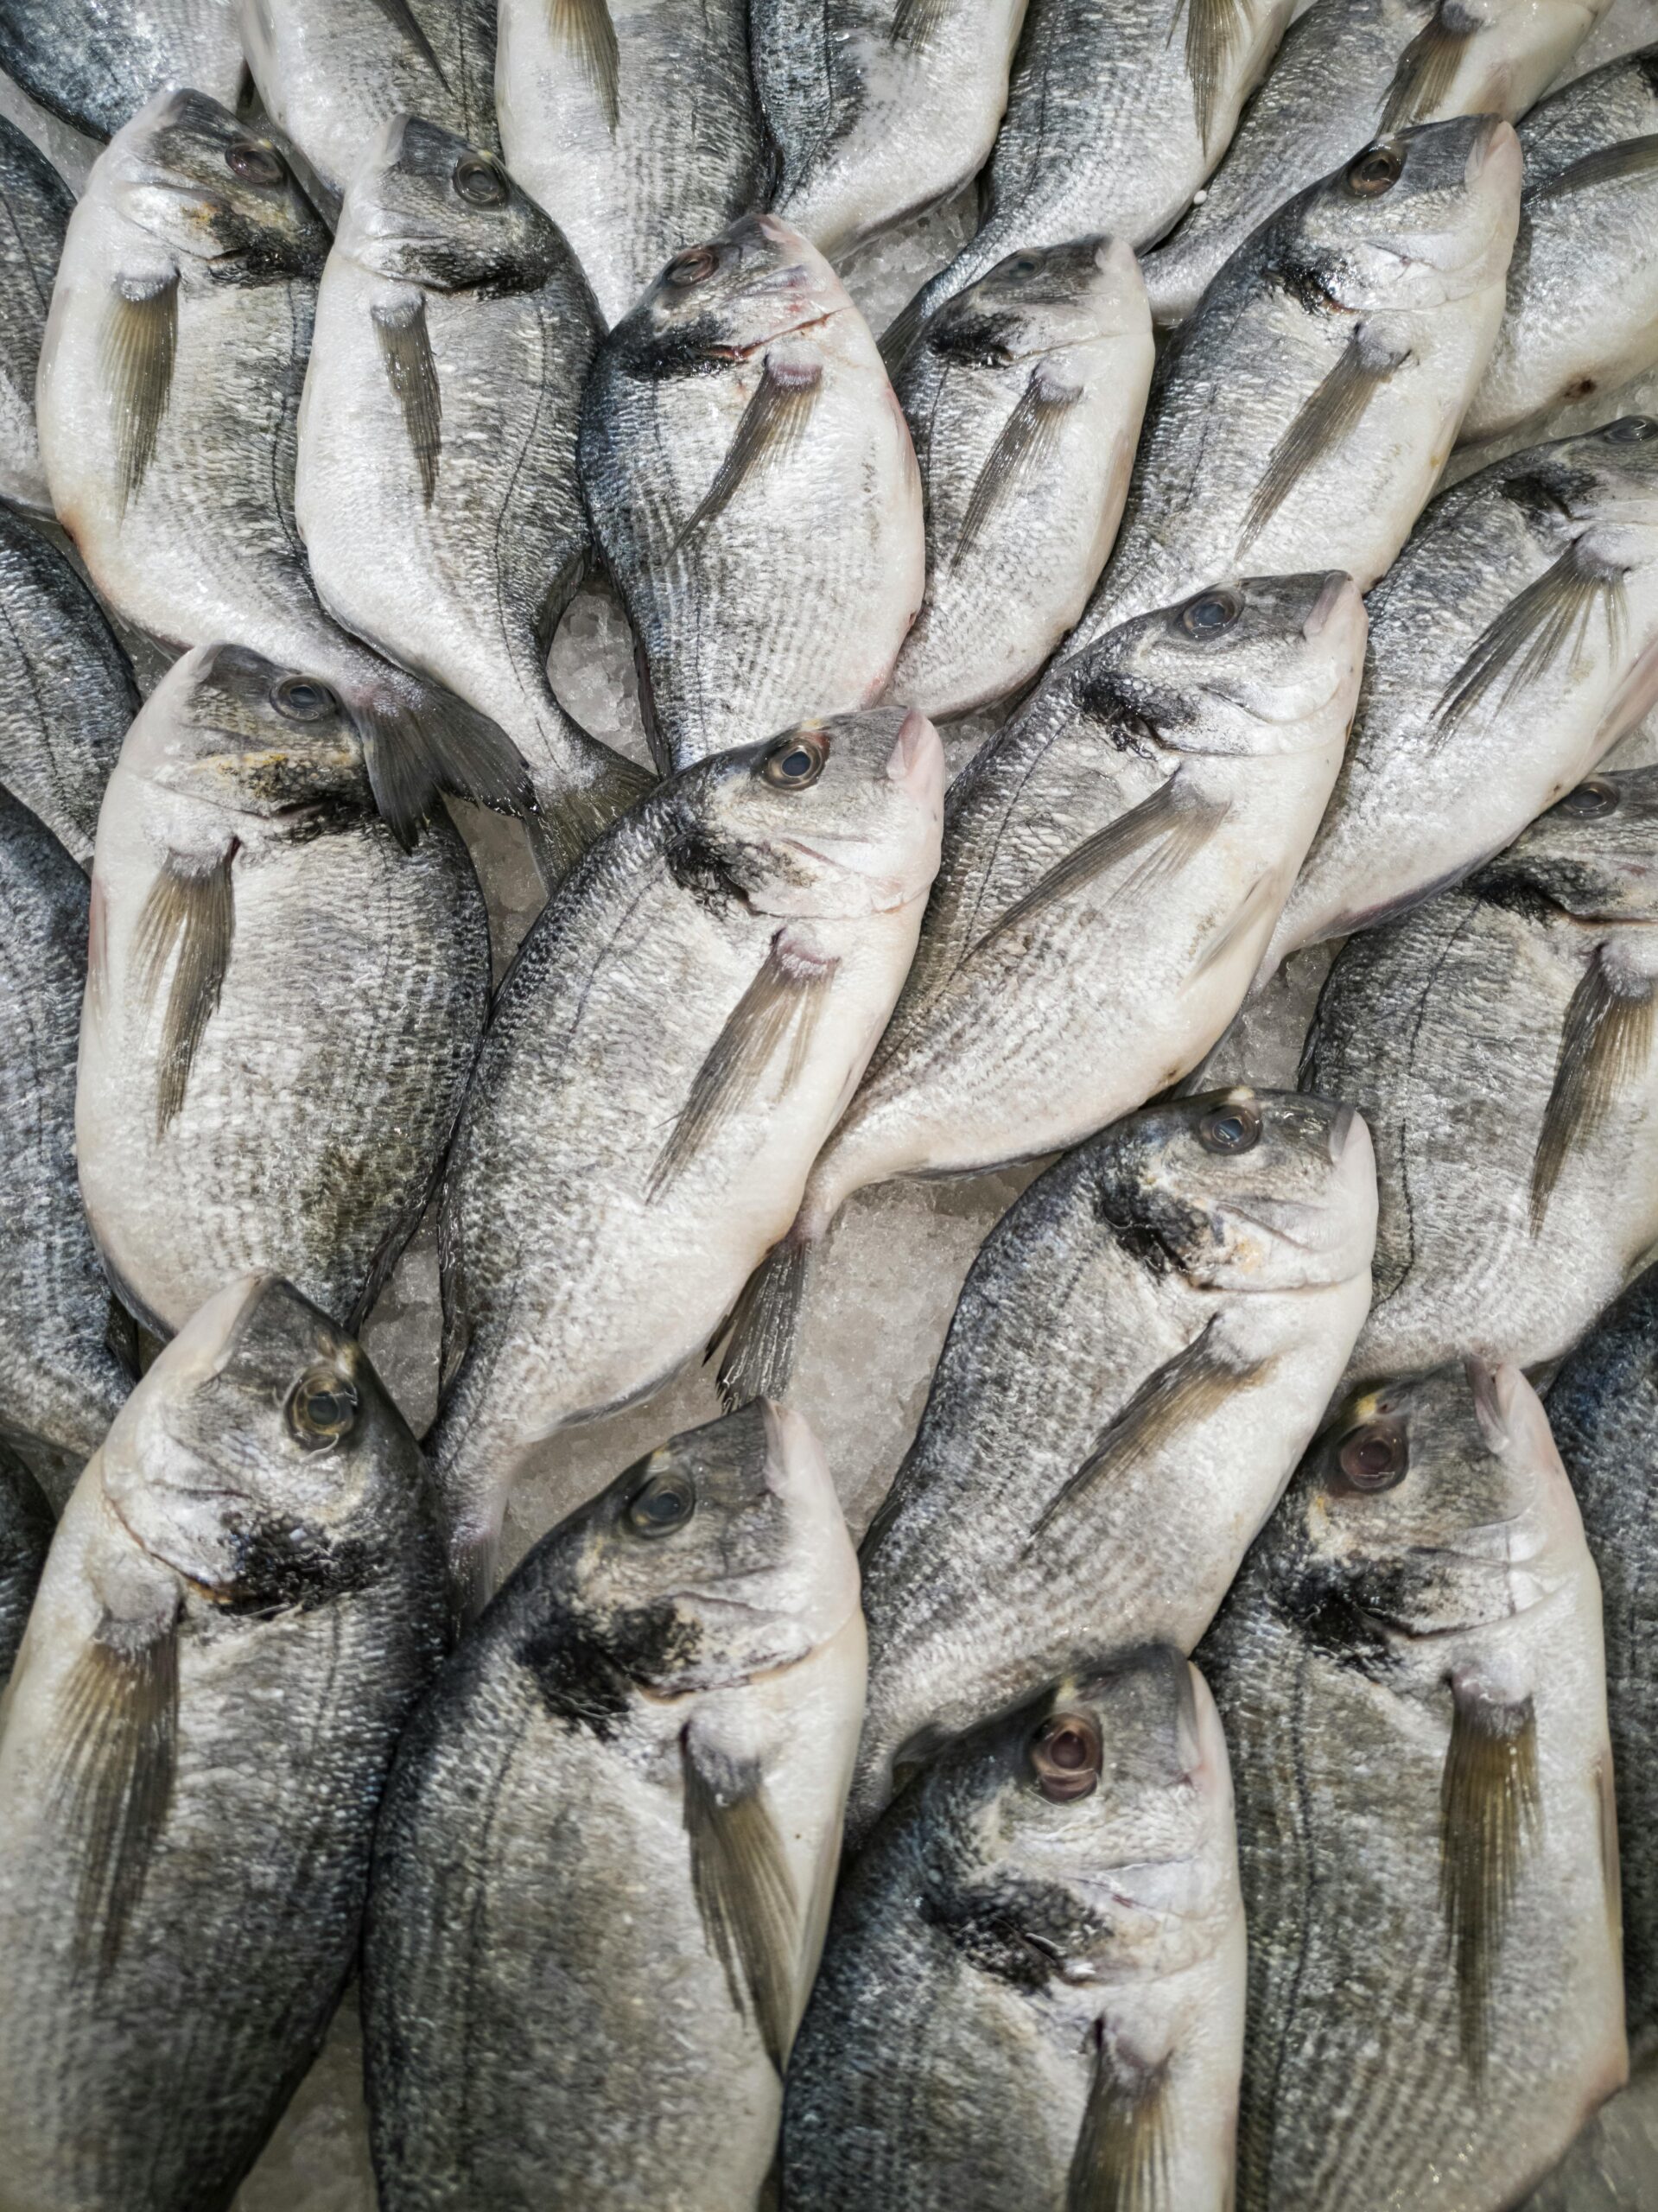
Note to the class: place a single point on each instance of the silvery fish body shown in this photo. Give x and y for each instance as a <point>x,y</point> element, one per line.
<point>436,486</point>
<point>1117,110</point>
<point>1301,416</point>
<point>1031,1996</point>
<point>583,2000</point>
<point>243,1599</point>
<point>878,108</point>
<point>60,1384</point>
<point>1512,643</point>
<point>1349,69</point>
<point>1023,396</point>
<point>283,1007</point>
<point>754,493</point>
<point>1602,1408</point>
<point>333,76</point>
<point>633,123</point>
<point>37,204</point>
<point>67,693</point>
<point>25,1535</point>
<point>169,392</point>
<point>1410,1674</point>
<point>1582,312</point>
<point>1143,1349</point>
<point>675,1041</point>
<point>1114,861</point>
<point>94,63</point>
<point>1500,1042</point>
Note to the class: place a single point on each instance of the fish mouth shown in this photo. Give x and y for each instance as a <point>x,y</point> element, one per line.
<point>775,337</point>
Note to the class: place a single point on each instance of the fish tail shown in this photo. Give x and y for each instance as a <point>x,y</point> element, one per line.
<point>765,1324</point>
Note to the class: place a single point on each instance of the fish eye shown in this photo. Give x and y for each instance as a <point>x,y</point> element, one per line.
<point>1631,430</point>
<point>1373,1457</point>
<point>1232,1128</point>
<point>322,1408</point>
<point>254,163</point>
<point>794,762</point>
<point>1596,797</point>
<point>1211,611</point>
<point>1376,170</point>
<point>695,266</point>
<point>1065,1758</point>
<point>661,1505</point>
<point>301,699</point>
<point>480,182</point>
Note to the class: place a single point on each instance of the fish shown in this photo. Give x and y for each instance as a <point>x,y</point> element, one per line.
<point>25,1537</point>
<point>753,492</point>
<point>1033,1989</point>
<point>1140,1354</point>
<point>1117,110</point>
<point>1582,312</point>
<point>1023,396</point>
<point>244,1601</point>
<point>603,1871</point>
<point>1349,70</point>
<point>435,488</point>
<point>1410,1676</point>
<point>876,109</point>
<point>1512,644</point>
<point>1114,860</point>
<point>37,204</point>
<point>95,67</point>
<point>284,1006</point>
<point>331,78</point>
<point>63,1377</point>
<point>66,688</point>
<point>1602,1404</point>
<point>168,405</point>
<point>1499,1041</point>
<point>634,123</point>
<point>1300,418</point>
<point>680,1031</point>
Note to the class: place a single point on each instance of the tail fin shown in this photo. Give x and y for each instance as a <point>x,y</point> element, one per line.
<point>419,742</point>
<point>576,810</point>
<point>760,1354</point>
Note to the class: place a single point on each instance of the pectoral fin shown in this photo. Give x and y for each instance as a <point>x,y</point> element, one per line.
<point>1256,904</point>
<point>1623,164</point>
<point>744,1893</point>
<point>1213,28</point>
<point>1120,2163</point>
<point>140,344</point>
<point>190,913</point>
<point>1024,448</point>
<point>1327,417</point>
<point>584,27</point>
<point>1489,1818</point>
<point>773,423</point>
<point>401,17</point>
<point>406,352</point>
<point>914,22</point>
<point>1604,1043</point>
<point>1548,619</point>
<point>1427,67</point>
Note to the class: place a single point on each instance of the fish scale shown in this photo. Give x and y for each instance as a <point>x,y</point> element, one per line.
<point>36,205</point>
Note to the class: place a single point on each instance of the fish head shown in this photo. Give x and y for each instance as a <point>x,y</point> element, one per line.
<point>209,189</point>
<point>1039,298</point>
<point>719,1555</point>
<point>1591,859</point>
<point>1416,220</point>
<point>1242,1190</point>
<point>1601,486</point>
<point>836,818</point>
<point>1267,664</point>
<point>428,208</point>
<point>727,299</point>
<point>1087,1836</point>
<point>1427,1508</point>
<point>260,1458</point>
<point>229,729</point>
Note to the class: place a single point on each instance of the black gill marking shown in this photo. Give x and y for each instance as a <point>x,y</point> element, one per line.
<point>586,28</point>
<point>1120,2163</point>
<point>406,352</point>
<point>113,1781</point>
<point>139,347</point>
<point>744,1893</point>
<point>780,1007</point>
<point>1327,417</point>
<point>1550,617</point>
<point>1489,1818</point>
<point>1604,1043</point>
<point>1631,160</point>
<point>1025,445</point>
<point>190,910</point>
<point>1426,68</point>
<point>773,423</point>
<point>1212,31</point>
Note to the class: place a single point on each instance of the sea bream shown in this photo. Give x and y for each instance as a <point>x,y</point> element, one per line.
<point>283,1006</point>
<point>1023,396</point>
<point>243,1602</point>
<point>1141,1351</point>
<point>603,1870</point>
<point>1114,859</point>
<point>754,493</point>
<point>437,485</point>
<point>1301,416</point>
<point>25,1538</point>
<point>94,66</point>
<point>37,204</point>
<point>1409,1671</point>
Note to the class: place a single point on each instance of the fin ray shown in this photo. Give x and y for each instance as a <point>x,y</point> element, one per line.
<point>773,423</point>
<point>139,348</point>
<point>764,1324</point>
<point>190,910</point>
<point>1489,1816</point>
<point>1025,443</point>
<point>1164,828</point>
<point>406,354</point>
<point>1604,1042</point>
<point>1620,165</point>
<point>1120,2161</point>
<point>1426,68</point>
<point>1328,415</point>
<point>1550,617</point>
<point>745,1896</point>
<point>1212,29</point>
<point>586,27</point>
